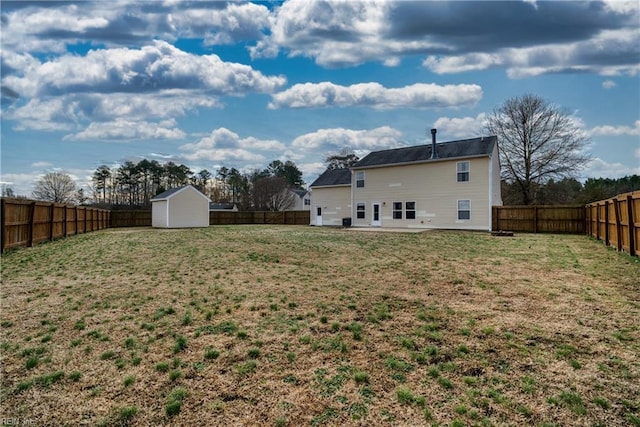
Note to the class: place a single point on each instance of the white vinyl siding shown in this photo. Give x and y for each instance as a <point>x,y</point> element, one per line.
<point>334,202</point>
<point>434,193</point>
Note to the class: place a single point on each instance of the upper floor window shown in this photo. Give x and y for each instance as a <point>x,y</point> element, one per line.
<point>397,210</point>
<point>360,179</point>
<point>462,169</point>
<point>410,210</point>
<point>307,202</point>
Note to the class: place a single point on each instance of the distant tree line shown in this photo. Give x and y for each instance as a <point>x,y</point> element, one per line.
<point>133,185</point>
<point>570,191</point>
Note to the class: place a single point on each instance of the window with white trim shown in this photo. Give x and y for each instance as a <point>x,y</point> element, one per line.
<point>410,210</point>
<point>360,211</point>
<point>307,202</point>
<point>464,210</point>
<point>360,179</point>
<point>397,210</point>
<point>462,169</point>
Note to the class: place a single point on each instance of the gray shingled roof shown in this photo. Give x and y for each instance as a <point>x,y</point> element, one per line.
<point>168,193</point>
<point>420,153</point>
<point>332,177</point>
<point>165,195</point>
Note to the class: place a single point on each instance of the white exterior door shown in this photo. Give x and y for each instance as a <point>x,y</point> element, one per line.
<point>376,215</point>
<point>319,215</point>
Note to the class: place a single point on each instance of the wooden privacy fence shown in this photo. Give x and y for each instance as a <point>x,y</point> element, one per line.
<point>142,218</point>
<point>27,222</point>
<point>539,219</point>
<point>616,222</point>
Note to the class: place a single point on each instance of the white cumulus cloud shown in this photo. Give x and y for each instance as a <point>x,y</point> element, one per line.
<point>127,130</point>
<point>338,138</point>
<point>224,145</point>
<point>461,127</point>
<point>609,130</point>
<point>374,95</point>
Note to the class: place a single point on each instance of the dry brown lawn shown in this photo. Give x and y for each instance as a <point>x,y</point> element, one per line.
<point>275,326</point>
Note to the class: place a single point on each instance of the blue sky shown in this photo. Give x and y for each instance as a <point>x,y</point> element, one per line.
<point>236,84</point>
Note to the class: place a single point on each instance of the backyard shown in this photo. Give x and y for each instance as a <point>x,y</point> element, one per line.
<point>295,325</point>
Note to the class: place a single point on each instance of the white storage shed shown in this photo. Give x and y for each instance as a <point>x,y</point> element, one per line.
<point>182,207</point>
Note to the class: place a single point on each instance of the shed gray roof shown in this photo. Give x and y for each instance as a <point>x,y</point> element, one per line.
<point>221,206</point>
<point>422,153</point>
<point>333,177</point>
<point>167,194</point>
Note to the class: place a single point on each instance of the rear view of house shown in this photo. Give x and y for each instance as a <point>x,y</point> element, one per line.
<point>181,207</point>
<point>448,185</point>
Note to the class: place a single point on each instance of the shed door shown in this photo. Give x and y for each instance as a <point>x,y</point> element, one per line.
<point>318,215</point>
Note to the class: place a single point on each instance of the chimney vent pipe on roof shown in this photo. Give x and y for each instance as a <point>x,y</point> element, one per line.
<point>434,152</point>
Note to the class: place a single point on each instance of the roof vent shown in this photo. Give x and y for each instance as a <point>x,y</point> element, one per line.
<point>434,152</point>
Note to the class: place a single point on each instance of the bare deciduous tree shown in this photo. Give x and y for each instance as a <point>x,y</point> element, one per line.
<point>273,194</point>
<point>538,141</point>
<point>55,187</point>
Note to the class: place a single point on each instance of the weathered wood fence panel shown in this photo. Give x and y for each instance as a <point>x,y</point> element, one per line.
<point>616,222</point>
<point>142,218</point>
<point>130,218</point>
<point>539,219</point>
<point>28,222</point>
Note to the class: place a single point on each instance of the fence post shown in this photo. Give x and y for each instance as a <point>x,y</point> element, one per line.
<point>64,221</point>
<point>535,219</point>
<point>632,225</point>
<point>52,211</point>
<point>32,215</point>
<point>606,222</point>
<point>618,220</point>
<point>3,232</point>
<point>76,218</point>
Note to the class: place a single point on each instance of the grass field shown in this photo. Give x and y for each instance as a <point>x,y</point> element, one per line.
<point>276,326</point>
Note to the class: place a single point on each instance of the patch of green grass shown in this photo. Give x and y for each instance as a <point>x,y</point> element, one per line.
<point>129,380</point>
<point>130,343</point>
<point>246,368</point>
<point>162,367</point>
<point>324,417</point>
<point>80,325</point>
<point>109,354</point>
<point>180,344</point>
<point>32,362</point>
<point>445,382</point>
<point>406,397</point>
<point>126,414</point>
<point>211,353</point>
<point>361,377</point>
<point>174,375</point>
<point>174,401</point>
<point>162,312</point>
<point>574,402</point>
<point>602,402</point>
<point>49,379</point>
